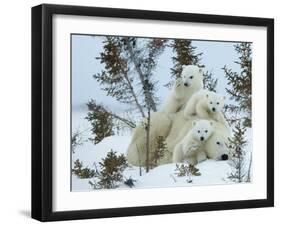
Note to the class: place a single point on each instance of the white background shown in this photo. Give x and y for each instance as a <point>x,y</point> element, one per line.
<point>15,115</point>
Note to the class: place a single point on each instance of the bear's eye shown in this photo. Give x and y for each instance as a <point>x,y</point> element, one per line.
<point>211,102</point>
<point>206,131</point>
<point>198,131</point>
<point>218,143</point>
<point>218,103</point>
<point>191,77</point>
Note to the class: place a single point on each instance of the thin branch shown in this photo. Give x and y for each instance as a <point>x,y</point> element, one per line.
<point>126,121</point>
<point>249,170</point>
<point>141,75</point>
<point>140,171</point>
<point>147,128</point>
<point>134,95</point>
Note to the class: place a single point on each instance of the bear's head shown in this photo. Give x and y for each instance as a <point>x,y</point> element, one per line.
<point>217,147</point>
<point>215,101</point>
<point>223,151</point>
<point>202,129</point>
<point>191,74</point>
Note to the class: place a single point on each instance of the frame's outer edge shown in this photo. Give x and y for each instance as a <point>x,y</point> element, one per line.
<point>270,112</point>
<point>36,139</point>
<point>41,204</point>
<point>155,15</point>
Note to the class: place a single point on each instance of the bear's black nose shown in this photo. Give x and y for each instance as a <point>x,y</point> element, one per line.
<point>213,109</point>
<point>186,84</point>
<point>201,138</point>
<point>224,157</point>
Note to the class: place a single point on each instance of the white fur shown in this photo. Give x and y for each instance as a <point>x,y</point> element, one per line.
<point>180,127</point>
<point>160,125</point>
<point>191,144</point>
<point>205,105</point>
<point>217,144</point>
<point>191,80</point>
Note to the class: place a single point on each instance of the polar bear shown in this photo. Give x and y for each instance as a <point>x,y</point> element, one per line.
<point>160,125</point>
<point>180,127</point>
<point>191,80</point>
<point>191,144</point>
<point>178,124</point>
<point>216,147</point>
<point>206,105</point>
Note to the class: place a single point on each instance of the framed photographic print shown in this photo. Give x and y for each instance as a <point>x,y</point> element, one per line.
<point>147,112</point>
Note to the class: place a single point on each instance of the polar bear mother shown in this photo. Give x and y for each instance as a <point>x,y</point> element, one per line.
<point>191,80</point>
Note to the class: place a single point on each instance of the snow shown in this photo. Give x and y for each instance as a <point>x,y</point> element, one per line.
<point>212,172</point>
<point>80,184</point>
<point>89,153</point>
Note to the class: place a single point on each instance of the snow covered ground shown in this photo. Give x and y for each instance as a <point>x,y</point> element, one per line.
<point>212,172</point>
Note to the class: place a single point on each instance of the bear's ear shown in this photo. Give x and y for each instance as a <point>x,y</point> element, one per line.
<point>193,123</point>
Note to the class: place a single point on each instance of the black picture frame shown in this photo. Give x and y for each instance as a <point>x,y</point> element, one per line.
<point>42,111</point>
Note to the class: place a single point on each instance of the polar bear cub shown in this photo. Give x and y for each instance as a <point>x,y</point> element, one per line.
<point>206,105</point>
<point>188,147</point>
<point>216,147</point>
<point>191,80</point>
